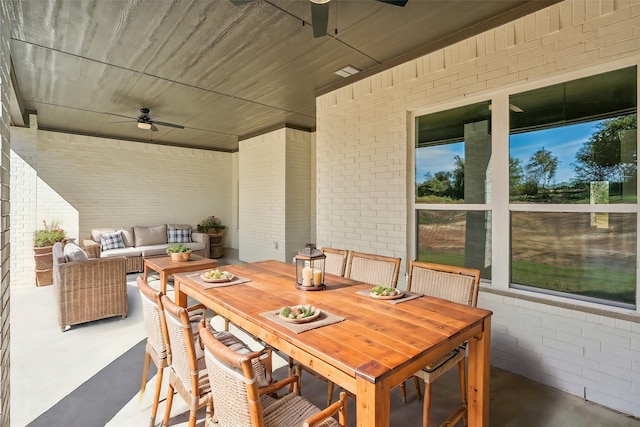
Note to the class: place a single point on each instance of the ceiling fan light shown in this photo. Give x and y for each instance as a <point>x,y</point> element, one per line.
<point>144,125</point>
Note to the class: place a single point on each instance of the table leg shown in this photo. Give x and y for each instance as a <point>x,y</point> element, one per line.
<point>478,377</point>
<point>163,282</point>
<point>146,273</point>
<point>180,297</point>
<point>373,405</point>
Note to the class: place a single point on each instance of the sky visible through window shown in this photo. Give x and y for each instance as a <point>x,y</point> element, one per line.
<point>563,142</point>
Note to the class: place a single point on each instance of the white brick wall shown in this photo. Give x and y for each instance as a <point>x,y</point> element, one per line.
<point>261,174</point>
<point>5,198</point>
<point>88,182</point>
<point>363,167</point>
<point>275,171</point>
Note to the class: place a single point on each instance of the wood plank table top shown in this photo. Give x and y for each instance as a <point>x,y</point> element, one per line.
<point>164,266</point>
<point>376,347</point>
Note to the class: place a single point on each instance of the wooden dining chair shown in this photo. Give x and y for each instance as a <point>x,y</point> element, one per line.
<point>457,284</point>
<point>336,261</point>
<point>373,269</point>
<point>241,402</point>
<point>187,371</point>
<point>156,349</point>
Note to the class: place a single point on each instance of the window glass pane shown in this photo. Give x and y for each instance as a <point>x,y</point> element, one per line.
<point>461,238</point>
<point>575,142</point>
<point>587,255</point>
<point>453,153</point>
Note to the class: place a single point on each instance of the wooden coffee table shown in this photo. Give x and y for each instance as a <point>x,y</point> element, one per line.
<point>166,267</point>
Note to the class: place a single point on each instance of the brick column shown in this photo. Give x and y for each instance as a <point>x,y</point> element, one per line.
<point>5,81</point>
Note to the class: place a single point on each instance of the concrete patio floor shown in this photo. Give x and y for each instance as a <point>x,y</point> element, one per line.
<point>90,376</point>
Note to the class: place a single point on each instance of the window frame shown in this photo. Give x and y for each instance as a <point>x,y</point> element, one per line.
<point>499,202</point>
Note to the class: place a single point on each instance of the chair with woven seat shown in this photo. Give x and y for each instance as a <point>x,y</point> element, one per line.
<point>240,402</point>
<point>457,284</point>
<point>336,261</point>
<point>373,269</point>
<point>366,268</point>
<point>187,374</point>
<point>156,349</point>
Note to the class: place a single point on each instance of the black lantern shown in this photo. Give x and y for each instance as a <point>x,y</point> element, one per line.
<point>310,269</point>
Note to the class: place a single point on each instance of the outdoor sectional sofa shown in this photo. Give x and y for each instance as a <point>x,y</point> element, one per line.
<point>139,242</point>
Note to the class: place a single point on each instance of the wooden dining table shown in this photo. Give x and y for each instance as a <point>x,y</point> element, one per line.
<point>376,347</point>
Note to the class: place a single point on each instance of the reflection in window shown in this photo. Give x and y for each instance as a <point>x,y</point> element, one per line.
<point>452,157</point>
<point>575,144</point>
<point>461,238</point>
<point>566,148</point>
<point>576,253</point>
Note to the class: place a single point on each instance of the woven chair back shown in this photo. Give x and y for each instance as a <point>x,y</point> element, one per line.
<point>336,261</point>
<point>235,390</point>
<point>374,269</point>
<point>457,284</point>
<point>181,345</point>
<point>154,322</point>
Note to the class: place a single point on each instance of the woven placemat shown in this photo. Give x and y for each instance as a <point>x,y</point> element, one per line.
<point>323,319</point>
<point>207,285</point>
<point>408,296</point>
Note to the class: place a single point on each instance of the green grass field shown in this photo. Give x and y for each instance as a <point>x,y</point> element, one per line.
<point>610,284</point>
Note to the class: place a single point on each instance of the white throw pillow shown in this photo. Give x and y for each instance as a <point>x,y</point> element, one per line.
<point>73,252</point>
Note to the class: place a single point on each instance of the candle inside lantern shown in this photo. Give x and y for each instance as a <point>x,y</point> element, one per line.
<point>317,277</point>
<point>306,276</point>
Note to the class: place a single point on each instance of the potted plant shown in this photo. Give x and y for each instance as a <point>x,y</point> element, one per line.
<point>179,252</point>
<point>43,242</point>
<point>211,225</point>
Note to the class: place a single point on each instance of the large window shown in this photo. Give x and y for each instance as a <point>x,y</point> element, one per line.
<point>453,170</point>
<point>573,147</point>
<point>568,213</point>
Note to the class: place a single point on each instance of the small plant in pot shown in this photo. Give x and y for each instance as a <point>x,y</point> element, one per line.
<point>211,224</point>
<point>43,242</point>
<point>179,252</point>
<point>48,236</point>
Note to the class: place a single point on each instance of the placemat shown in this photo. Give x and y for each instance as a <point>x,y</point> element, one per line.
<point>207,285</point>
<point>408,296</point>
<point>323,319</point>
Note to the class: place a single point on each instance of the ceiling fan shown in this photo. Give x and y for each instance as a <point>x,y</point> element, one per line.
<point>147,123</point>
<point>320,14</point>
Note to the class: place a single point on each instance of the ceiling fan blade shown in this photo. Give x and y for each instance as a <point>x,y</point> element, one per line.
<point>171,125</point>
<point>400,3</point>
<point>319,17</point>
<point>154,128</point>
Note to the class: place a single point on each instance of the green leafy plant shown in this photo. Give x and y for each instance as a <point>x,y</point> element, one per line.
<point>178,249</point>
<point>210,222</point>
<point>48,235</point>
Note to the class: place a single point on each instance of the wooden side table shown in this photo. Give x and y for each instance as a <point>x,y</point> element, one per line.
<point>166,267</point>
<point>215,245</point>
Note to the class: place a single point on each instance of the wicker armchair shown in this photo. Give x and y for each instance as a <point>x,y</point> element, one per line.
<point>241,402</point>
<point>88,290</point>
<point>457,284</point>
<point>374,269</point>
<point>336,261</point>
<point>187,374</point>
